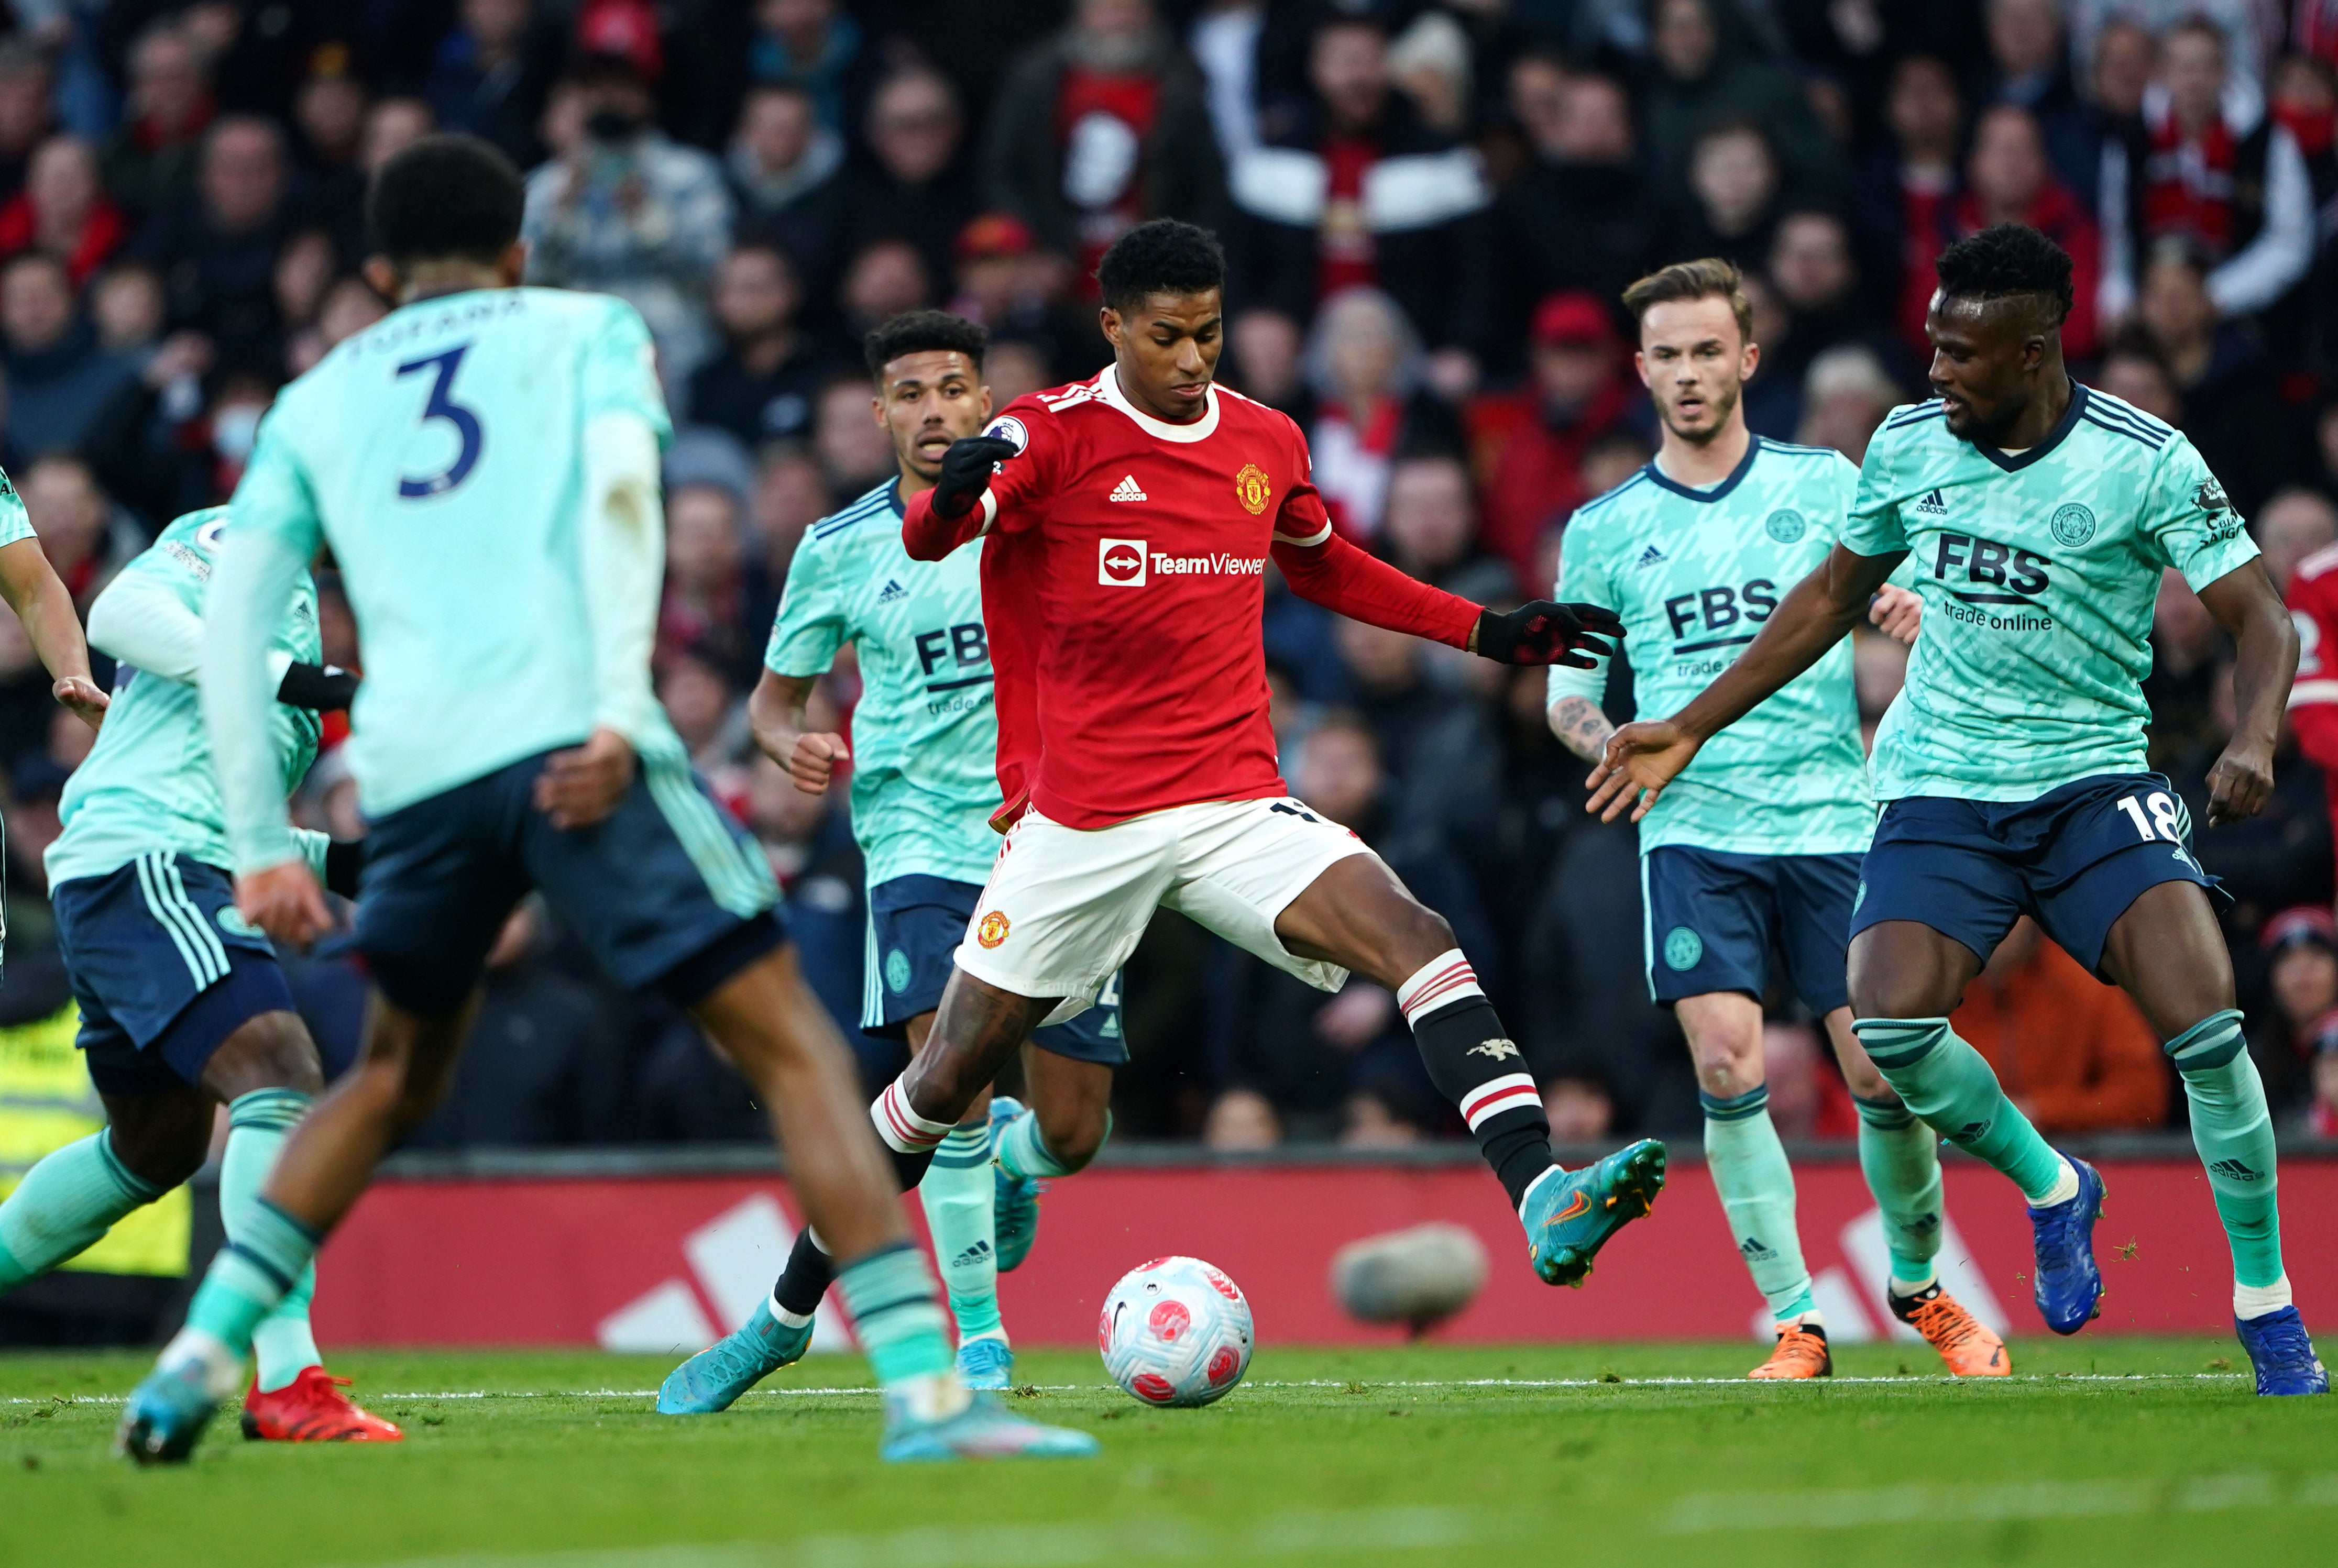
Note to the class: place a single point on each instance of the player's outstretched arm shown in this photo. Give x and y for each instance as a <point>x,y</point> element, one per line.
<point>775,712</point>
<point>1818,613</point>
<point>960,506</point>
<point>2265,663</point>
<point>31,588</point>
<point>140,622</point>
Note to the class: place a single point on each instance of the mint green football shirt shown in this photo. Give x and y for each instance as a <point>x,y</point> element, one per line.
<point>925,733</point>
<point>16,522</point>
<point>439,454</point>
<point>148,784</point>
<point>2039,573</point>
<point>1695,575</point>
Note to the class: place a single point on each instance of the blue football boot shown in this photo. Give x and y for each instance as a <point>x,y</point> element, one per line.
<point>983,1430</point>
<point>2282,1353</point>
<point>986,1363</point>
<point>164,1415</point>
<point>1016,1218</point>
<point>713,1380</point>
<point>1571,1215</point>
<point>2069,1287</point>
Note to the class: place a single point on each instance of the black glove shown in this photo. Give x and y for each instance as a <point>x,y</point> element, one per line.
<point>1543,633</point>
<point>344,858</point>
<point>965,472</point>
<point>323,687</point>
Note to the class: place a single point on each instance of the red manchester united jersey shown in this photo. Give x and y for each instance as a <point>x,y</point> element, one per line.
<point>2314,697</point>
<point>1122,587</point>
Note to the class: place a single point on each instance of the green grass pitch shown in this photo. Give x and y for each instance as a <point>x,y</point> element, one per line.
<point>2118,1451</point>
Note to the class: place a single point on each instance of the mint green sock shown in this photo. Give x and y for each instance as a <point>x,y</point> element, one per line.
<point>267,1252</point>
<point>2233,1130</point>
<point>1946,1082</point>
<point>890,1294</point>
<point>1900,1159</point>
<point>65,1202</point>
<point>1024,1153</point>
<point>959,1194</point>
<point>1757,1192</point>
<point>258,1124</point>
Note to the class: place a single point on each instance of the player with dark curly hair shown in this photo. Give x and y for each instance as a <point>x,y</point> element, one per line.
<point>2041,515</point>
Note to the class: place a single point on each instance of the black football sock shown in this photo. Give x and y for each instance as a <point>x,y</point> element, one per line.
<point>809,1270</point>
<point>1474,1064</point>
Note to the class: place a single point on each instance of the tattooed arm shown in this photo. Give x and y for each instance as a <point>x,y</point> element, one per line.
<point>1581,727</point>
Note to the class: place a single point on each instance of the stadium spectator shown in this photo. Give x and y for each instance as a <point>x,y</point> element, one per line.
<point>2231,412</point>
<point>2299,949</point>
<point>488,76</point>
<point>1429,529</point>
<point>1021,293</point>
<point>1580,1109</point>
<point>1266,362</point>
<point>1703,78</point>
<point>915,185</point>
<point>63,210</point>
<point>391,126</point>
<point>817,47</point>
<point>86,537</point>
<point>2072,1052</point>
<point>764,384</point>
<point>2185,644</point>
<point>58,375</point>
<point>215,245</point>
<point>2291,527</point>
<point>1807,1097</point>
<point>787,176</point>
<point>1365,366</point>
<point>2030,69</point>
<point>1905,186</point>
<point>851,446</point>
<point>633,213</point>
<point>1733,211</point>
<point>1099,128</point>
<point>705,593</point>
<point>1241,1122</point>
<point>27,111</point>
<point>2008,179</point>
<point>1579,219</point>
<point>151,158</point>
<point>1357,192</point>
<point>886,279</point>
<point>2321,1117</point>
<point>2132,370</point>
<point>1811,267</point>
<point>328,122</point>
<point>1531,444</point>
<point>2217,174</point>
<point>1846,393</point>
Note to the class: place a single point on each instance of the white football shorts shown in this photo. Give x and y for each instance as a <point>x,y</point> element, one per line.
<point>1064,908</point>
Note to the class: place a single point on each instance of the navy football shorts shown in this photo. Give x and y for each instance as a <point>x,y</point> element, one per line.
<point>667,890</point>
<point>1715,919</point>
<point>2075,859</point>
<point>915,923</point>
<point>164,970</point>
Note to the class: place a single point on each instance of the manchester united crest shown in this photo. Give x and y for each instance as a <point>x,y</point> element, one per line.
<point>992,931</point>
<point>1251,484</point>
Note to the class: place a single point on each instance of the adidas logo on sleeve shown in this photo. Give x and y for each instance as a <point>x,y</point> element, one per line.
<point>1651,556</point>
<point>1127,490</point>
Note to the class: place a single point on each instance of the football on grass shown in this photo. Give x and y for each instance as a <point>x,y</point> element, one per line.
<point>1175,1331</point>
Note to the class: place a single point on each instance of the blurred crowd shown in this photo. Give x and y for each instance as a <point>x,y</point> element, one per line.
<point>1429,210</point>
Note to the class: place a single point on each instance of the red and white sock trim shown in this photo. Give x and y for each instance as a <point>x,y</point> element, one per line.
<point>904,1131</point>
<point>1442,981</point>
<point>1511,1092</point>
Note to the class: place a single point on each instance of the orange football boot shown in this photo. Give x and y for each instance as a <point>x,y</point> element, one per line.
<point>1802,1352</point>
<point>1963,1340</point>
<point>311,1408</point>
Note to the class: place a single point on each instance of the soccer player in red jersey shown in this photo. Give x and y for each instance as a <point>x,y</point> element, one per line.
<point>1129,520</point>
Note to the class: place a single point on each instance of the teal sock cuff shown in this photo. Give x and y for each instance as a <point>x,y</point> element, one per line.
<point>274,1242</point>
<point>133,1184</point>
<point>1736,1107</point>
<point>1024,1150</point>
<point>890,1294</point>
<point>964,1148</point>
<point>1896,1043</point>
<point>275,1110</point>
<point>2209,1043</point>
<point>1884,1115</point>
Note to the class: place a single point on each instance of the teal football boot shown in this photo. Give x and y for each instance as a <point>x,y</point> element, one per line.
<point>1571,1215</point>
<point>1015,1217</point>
<point>164,1415</point>
<point>713,1380</point>
<point>983,1430</point>
<point>986,1364</point>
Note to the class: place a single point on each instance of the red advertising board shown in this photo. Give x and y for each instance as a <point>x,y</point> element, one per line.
<point>662,1263</point>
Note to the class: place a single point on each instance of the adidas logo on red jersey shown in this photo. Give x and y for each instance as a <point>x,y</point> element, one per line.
<point>1127,490</point>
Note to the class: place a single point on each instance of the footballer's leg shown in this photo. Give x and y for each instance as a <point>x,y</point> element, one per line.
<point>1900,1155</point>
<point>2167,953</point>
<point>154,1138</point>
<point>1750,1172</point>
<point>1356,915</point>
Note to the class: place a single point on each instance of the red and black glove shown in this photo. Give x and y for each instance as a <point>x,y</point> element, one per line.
<point>1543,633</point>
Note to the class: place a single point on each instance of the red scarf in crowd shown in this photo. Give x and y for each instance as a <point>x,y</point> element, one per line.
<point>101,234</point>
<point>1133,98</point>
<point>2187,185</point>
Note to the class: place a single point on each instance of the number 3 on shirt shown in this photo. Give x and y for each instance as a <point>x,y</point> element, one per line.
<point>441,406</point>
<point>2164,817</point>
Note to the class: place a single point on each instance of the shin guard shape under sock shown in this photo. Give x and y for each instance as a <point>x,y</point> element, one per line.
<point>1900,1159</point>
<point>1757,1192</point>
<point>959,1195</point>
<point>2233,1130</point>
<point>1475,1064</point>
<point>1950,1084</point>
<point>890,1294</point>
